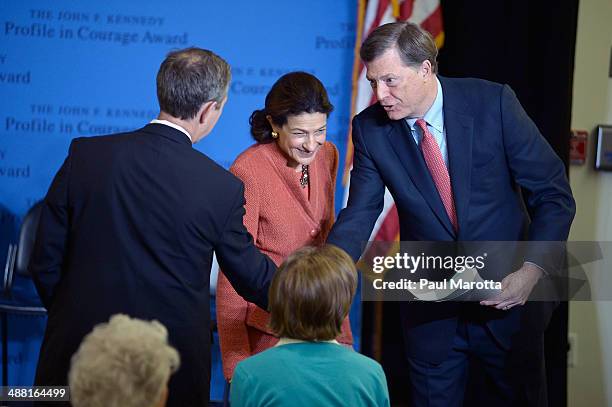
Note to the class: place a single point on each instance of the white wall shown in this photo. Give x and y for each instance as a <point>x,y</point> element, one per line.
<point>590,380</point>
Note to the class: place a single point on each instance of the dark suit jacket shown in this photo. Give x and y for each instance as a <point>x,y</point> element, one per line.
<point>129,225</point>
<point>493,147</point>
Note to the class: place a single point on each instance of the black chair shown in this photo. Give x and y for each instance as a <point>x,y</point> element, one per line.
<point>17,262</point>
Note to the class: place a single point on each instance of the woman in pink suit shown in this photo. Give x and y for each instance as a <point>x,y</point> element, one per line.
<point>289,177</point>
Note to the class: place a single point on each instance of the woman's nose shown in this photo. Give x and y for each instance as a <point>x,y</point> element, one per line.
<point>310,144</point>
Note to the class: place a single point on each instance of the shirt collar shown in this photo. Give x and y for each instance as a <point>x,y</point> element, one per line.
<point>174,126</point>
<point>287,341</point>
<point>434,116</point>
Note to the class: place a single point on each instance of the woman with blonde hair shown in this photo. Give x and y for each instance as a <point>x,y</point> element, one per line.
<point>125,362</point>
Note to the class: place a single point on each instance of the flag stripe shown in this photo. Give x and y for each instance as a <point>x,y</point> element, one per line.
<point>433,23</point>
<point>366,23</point>
<point>389,226</point>
<point>426,13</point>
<point>406,10</point>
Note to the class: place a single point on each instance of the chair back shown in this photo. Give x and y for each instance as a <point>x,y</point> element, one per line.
<point>27,236</point>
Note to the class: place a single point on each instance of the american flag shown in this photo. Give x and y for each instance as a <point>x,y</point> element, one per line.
<point>371,14</point>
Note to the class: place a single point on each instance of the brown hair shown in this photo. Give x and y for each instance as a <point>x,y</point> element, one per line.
<point>311,293</point>
<point>413,44</point>
<point>292,94</point>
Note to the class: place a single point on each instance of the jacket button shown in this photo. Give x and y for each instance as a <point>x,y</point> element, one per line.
<point>314,233</point>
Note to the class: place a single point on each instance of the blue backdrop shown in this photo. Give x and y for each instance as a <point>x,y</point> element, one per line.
<point>71,69</point>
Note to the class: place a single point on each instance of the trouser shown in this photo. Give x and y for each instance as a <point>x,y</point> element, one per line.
<point>511,377</point>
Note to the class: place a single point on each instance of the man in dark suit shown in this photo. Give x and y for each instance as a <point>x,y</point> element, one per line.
<point>130,223</point>
<point>453,154</point>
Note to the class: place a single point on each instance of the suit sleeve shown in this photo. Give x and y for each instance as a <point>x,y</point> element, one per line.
<point>48,254</point>
<point>231,307</point>
<point>365,203</point>
<point>247,269</point>
<point>541,174</point>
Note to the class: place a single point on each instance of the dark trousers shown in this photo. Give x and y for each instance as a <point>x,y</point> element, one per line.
<point>505,377</point>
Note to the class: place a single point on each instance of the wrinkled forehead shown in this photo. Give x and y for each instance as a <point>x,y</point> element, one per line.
<point>381,72</point>
<point>387,64</point>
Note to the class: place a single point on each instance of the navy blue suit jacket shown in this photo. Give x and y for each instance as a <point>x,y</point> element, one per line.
<point>129,226</point>
<point>493,148</point>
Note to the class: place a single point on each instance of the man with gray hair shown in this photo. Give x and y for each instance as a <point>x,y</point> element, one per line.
<point>125,362</point>
<point>130,223</point>
<point>454,154</point>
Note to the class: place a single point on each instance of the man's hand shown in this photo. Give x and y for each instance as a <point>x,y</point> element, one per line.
<point>516,287</point>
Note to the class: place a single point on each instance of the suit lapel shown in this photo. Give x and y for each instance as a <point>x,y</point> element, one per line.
<point>459,134</point>
<point>412,160</point>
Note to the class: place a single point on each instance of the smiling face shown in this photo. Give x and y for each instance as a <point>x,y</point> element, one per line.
<point>403,91</point>
<point>301,137</point>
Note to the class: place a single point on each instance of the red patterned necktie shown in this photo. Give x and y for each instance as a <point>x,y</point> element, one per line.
<point>438,171</point>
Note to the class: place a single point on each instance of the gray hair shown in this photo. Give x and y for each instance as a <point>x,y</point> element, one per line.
<point>122,363</point>
<point>413,44</point>
<point>190,77</point>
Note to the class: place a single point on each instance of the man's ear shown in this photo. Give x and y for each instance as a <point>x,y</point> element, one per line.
<point>205,111</point>
<point>426,68</point>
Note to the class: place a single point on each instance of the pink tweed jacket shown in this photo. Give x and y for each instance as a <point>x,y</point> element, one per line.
<point>282,218</point>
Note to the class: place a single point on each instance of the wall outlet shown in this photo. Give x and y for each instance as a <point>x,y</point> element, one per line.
<point>572,351</point>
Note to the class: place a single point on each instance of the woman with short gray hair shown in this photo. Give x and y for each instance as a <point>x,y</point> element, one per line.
<point>125,362</point>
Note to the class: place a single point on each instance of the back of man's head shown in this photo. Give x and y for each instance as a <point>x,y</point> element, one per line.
<point>123,363</point>
<point>188,78</point>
